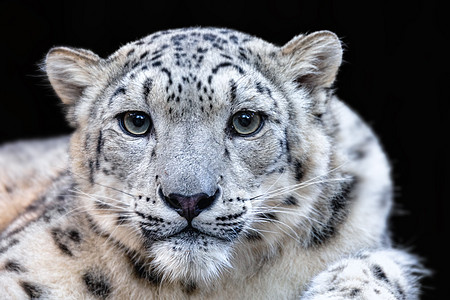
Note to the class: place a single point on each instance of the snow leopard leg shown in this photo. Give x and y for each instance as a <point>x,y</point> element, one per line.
<point>380,274</point>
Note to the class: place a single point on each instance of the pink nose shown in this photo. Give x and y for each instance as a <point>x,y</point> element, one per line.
<point>190,207</point>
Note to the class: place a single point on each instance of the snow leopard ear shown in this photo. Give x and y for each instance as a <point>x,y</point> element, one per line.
<point>71,71</point>
<point>313,60</point>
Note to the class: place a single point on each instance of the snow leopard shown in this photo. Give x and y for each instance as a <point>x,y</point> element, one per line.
<point>205,163</point>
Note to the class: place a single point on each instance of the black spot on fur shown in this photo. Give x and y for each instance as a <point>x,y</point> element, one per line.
<point>253,236</point>
<point>227,65</point>
<point>12,243</point>
<point>156,64</point>
<point>242,54</point>
<point>147,87</point>
<point>131,52</point>
<point>97,284</point>
<point>65,238</point>
<point>259,87</point>
<point>233,90</point>
<point>143,271</point>
<point>143,55</point>
<point>169,75</point>
<point>189,287</point>
<point>58,238</point>
<point>230,217</point>
<point>150,218</point>
<point>400,291</point>
<point>119,91</point>
<point>291,201</point>
<point>135,65</point>
<point>8,189</point>
<point>14,266</point>
<point>98,150</point>
<point>340,200</point>
<point>176,39</point>
<point>299,172</point>
<point>215,45</point>
<point>74,235</point>
<point>337,213</point>
<point>157,56</point>
<point>209,37</point>
<point>33,290</point>
<point>226,56</point>
<point>379,274</point>
<point>355,292</point>
<point>91,172</point>
<point>234,39</point>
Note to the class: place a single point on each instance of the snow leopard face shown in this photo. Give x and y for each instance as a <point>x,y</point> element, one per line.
<point>193,143</point>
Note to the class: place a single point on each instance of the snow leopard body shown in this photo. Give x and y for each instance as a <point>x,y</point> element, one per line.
<point>205,164</point>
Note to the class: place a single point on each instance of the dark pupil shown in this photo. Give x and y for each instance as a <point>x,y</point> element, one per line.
<point>245,120</point>
<point>138,120</point>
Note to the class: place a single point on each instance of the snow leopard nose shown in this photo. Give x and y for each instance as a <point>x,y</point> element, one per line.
<point>189,207</point>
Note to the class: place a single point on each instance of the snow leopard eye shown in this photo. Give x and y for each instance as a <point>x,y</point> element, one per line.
<point>245,123</point>
<point>135,123</point>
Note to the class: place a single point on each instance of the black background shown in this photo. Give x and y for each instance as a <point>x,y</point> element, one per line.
<point>395,74</point>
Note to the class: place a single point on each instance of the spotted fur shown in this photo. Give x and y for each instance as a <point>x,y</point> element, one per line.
<point>194,207</point>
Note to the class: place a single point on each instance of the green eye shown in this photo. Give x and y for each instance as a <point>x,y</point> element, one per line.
<point>245,123</point>
<point>135,123</point>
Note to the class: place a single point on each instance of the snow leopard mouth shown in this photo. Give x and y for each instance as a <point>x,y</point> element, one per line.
<point>192,235</point>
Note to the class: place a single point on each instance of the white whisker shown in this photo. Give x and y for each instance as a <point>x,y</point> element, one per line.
<point>105,186</point>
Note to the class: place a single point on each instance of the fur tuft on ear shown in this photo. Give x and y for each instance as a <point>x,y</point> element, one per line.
<point>313,60</point>
<point>70,71</point>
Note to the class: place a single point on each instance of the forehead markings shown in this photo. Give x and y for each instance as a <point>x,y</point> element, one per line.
<point>121,90</point>
<point>169,75</point>
<point>225,65</point>
<point>233,91</point>
<point>263,89</point>
<point>194,42</point>
<point>147,87</point>
<point>130,52</point>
